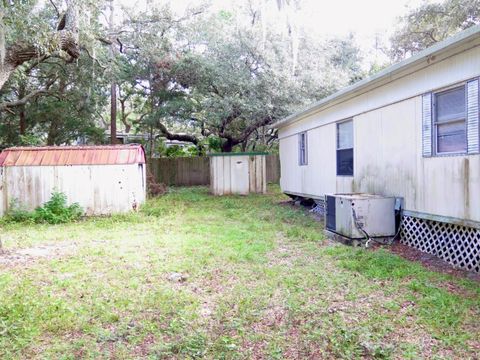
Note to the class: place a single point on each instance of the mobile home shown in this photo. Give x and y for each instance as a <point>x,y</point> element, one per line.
<point>410,131</point>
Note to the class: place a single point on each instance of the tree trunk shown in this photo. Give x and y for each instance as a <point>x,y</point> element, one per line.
<point>23,121</point>
<point>113,89</point>
<point>152,143</point>
<point>21,114</point>
<point>113,113</point>
<point>53,136</point>
<point>227,146</point>
<point>15,55</point>
<point>244,145</point>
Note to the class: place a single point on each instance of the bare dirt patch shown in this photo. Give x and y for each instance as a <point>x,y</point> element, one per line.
<point>12,258</point>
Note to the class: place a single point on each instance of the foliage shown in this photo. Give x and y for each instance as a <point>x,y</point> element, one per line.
<point>153,187</point>
<point>51,98</point>
<point>213,79</point>
<point>432,22</point>
<point>174,151</point>
<point>213,76</point>
<point>57,211</point>
<point>18,213</point>
<point>54,211</point>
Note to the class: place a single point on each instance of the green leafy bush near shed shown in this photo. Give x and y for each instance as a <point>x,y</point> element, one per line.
<point>54,211</point>
<point>18,213</point>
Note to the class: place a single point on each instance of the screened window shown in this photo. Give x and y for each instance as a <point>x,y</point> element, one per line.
<point>345,148</point>
<point>302,149</point>
<point>450,126</point>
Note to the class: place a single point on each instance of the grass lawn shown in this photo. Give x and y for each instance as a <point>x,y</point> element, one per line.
<point>192,275</point>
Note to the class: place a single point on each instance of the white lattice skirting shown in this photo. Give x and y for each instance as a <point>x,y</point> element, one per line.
<point>456,244</point>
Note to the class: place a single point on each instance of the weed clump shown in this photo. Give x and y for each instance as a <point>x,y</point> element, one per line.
<point>54,211</point>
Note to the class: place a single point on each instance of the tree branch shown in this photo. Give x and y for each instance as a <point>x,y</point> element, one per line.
<point>55,7</point>
<point>171,136</point>
<point>93,57</point>
<point>23,101</point>
<point>65,40</point>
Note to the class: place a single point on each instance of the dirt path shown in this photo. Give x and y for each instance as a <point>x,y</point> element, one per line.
<point>28,256</point>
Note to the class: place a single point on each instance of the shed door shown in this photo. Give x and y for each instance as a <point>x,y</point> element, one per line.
<point>239,174</point>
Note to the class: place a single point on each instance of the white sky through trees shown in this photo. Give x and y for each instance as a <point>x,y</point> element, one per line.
<point>368,20</point>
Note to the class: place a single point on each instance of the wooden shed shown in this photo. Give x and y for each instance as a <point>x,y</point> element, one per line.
<point>102,179</point>
<point>238,173</point>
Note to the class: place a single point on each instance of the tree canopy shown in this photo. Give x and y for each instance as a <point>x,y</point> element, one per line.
<point>72,71</point>
<point>214,79</point>
<point>432,22</point>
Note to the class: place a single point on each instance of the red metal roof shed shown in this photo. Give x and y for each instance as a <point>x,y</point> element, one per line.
<point>73,155</point>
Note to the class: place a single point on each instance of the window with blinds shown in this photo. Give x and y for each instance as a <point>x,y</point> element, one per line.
<point>450,120</point>
<point>450,126</point>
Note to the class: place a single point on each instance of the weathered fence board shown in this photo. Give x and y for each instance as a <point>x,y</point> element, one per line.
<point>190,171</point>
<point>185,171</point>
<point>273,168</point>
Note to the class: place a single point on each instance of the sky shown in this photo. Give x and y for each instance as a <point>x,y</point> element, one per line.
<point>337,17</point>
<point>369,20</point>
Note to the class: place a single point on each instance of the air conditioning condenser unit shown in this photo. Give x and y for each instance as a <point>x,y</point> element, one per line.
<point>354,215</point>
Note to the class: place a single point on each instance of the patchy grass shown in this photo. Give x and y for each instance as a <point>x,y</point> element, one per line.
<point>258,280</point>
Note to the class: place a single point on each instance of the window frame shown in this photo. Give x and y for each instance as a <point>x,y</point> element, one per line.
<point>435,123</point>
<point>303,160</point>
<point>337,148</point>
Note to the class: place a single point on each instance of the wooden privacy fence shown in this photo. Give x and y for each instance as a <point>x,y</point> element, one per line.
<point>190,171</point>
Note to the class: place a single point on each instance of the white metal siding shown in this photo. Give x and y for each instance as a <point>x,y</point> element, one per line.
<point>239,174</point>
<point>319,173</point>
<point>99,189</point>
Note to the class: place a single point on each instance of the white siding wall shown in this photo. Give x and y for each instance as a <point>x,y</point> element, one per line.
<point>238,174</point>
<point>320,171</point>
<point>387,147</point>
<point>99,189</point>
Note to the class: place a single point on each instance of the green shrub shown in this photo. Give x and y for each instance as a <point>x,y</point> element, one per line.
<point>18,213</point>
<point>56,210</point>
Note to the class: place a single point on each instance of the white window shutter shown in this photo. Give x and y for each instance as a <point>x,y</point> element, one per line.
<point>473,133</point>
<point>427,125</point>
<point>305,146</point>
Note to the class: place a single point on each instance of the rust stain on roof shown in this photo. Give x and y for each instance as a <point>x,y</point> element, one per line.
<point>73,155</point>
